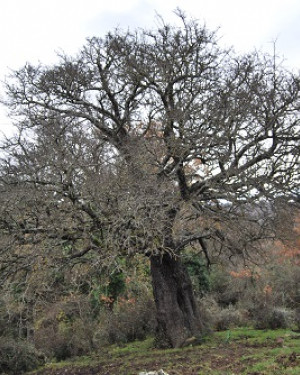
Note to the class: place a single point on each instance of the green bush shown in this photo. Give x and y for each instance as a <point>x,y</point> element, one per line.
<point>198,272</point>
<point>18,356</point>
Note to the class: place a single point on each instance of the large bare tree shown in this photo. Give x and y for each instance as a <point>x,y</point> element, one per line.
<point>149,142</point>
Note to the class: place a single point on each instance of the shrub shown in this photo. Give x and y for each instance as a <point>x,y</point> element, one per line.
<point>218,318</point>
<point>130,320</point>
<point>198,273</point>
<point>65,340</point>
<point>297,318</point>
<point>267,317</point>
<point>208,308</point>
<point>65,330</point>
<point>18,356</point>
<point>225,289</point>
<point>228,318</point>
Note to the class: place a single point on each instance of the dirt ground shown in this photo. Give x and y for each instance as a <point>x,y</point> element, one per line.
<point>234,358</point>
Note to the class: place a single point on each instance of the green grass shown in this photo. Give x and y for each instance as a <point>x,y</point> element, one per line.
<point>134,347</point>
<point>238,351</point>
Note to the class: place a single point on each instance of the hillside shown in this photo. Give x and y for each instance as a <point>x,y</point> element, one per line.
<point>240,351</point>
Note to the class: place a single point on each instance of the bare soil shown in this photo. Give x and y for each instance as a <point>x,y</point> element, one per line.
<point>236,357</point>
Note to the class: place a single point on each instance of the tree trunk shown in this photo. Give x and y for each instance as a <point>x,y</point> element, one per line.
<point>177,314</point>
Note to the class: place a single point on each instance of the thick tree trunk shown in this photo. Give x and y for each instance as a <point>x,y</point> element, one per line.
<point>177,314</point>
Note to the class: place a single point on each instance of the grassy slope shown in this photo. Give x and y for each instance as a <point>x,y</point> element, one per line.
<point>240,351</point>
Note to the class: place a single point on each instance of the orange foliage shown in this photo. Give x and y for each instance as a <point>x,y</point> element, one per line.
<point>126,301</point>
<point>244,274</point>
<point>105,299</point>
<point>297,227</point>
<point>268,290</point>
<point>290,250</point>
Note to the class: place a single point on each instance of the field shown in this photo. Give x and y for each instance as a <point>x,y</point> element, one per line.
<point>238,351</point>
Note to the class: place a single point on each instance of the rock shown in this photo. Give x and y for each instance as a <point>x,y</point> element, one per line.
<point>191,341</point>
<point>159,372</point>
<point>280,341</point>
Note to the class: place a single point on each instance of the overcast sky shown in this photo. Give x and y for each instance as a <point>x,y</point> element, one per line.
<point>35,30</point>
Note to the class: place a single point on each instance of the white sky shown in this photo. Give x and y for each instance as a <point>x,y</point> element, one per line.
<point>34,30</point>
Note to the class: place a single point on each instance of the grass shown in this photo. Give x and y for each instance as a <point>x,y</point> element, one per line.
<point>238,351</point>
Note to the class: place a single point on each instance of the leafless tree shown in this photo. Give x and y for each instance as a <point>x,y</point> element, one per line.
<point>150,142</point>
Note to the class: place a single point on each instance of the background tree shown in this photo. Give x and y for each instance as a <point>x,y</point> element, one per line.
<point>149,142</point>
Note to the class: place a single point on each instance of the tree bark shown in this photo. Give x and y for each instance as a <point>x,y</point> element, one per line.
<point>177,314</point>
